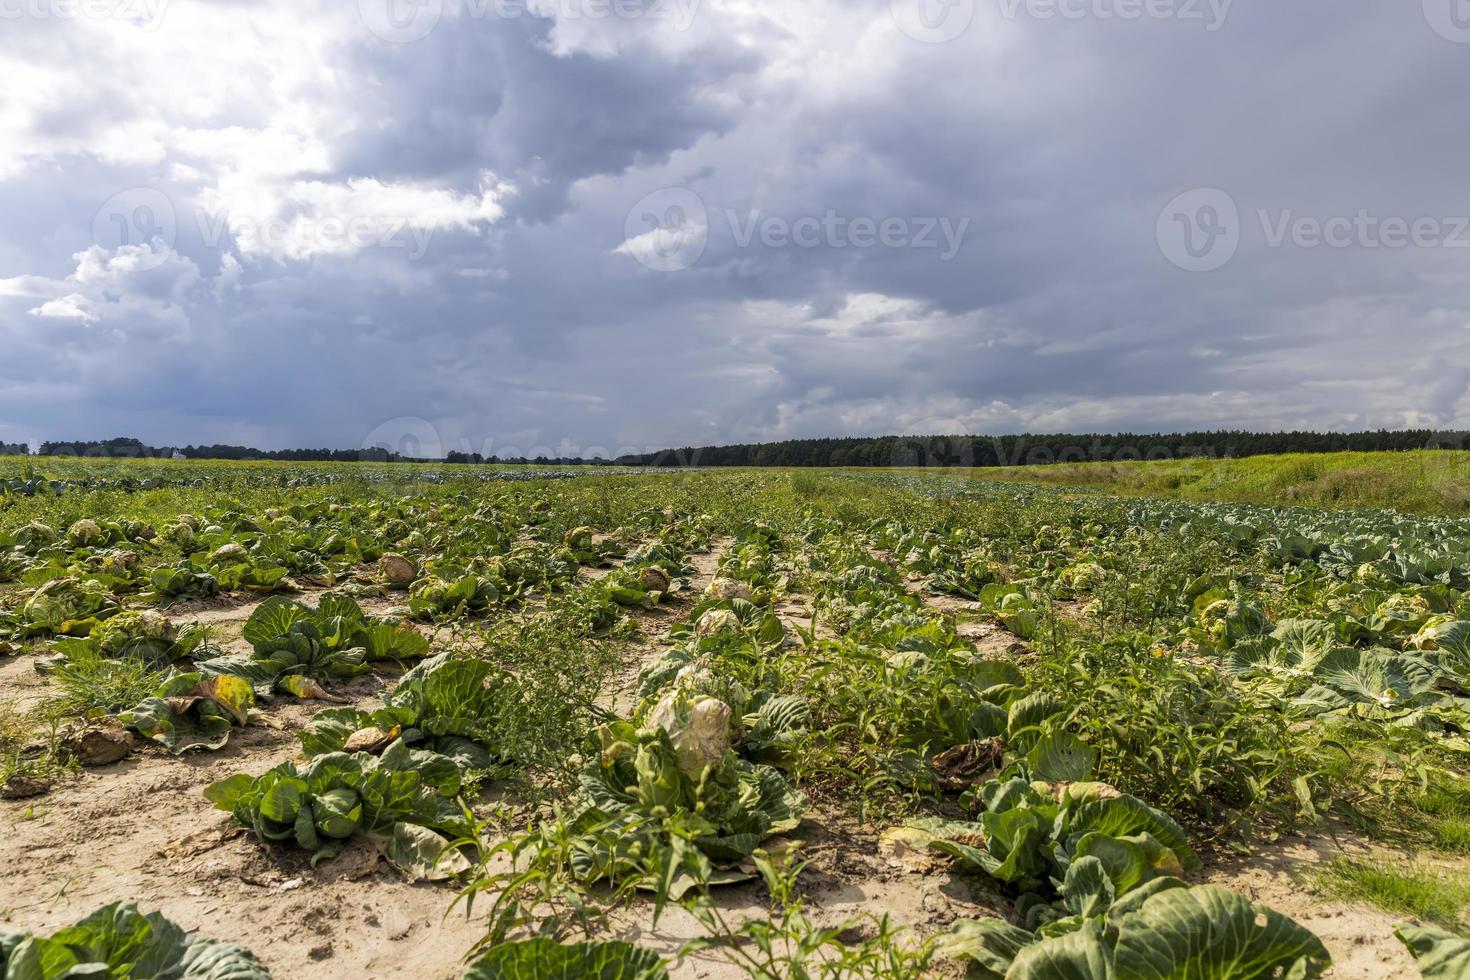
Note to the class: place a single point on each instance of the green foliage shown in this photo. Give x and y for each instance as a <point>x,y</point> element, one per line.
<point>435,597</point>
<point>119,941</point>
<point>1440,955</point>
<point>65,607</point>
<point>787,943</point>
<point>1234,668</point>
<point>725,807</point>
<point>1429,893</point>
<point>545,959</point>
<point>1165,931</point>
<point>296,647</point>
<point>88,682</point>
<point>401,801</point>
<point>1031,835</point>
<point>454,707</point>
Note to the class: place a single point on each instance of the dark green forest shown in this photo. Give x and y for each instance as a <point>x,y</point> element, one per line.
<point>884,451</point>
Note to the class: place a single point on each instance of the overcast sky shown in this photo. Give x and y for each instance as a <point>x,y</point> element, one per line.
<point>628,224</point>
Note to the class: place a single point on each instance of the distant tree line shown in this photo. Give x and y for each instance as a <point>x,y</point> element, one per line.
<point>477,459</point>
<point>940,451</point>
<point>1034,450</point>
<point>124,448</point>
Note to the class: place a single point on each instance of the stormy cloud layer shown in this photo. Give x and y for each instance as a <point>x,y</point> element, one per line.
<point>627,224</point>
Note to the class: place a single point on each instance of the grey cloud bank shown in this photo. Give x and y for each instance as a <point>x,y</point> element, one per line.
<point>659,223</point>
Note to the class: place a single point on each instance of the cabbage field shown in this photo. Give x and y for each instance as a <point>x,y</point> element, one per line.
<point>276,720</point>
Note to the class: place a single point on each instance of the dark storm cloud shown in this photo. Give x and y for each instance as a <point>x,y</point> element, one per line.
<point>503,101</point>
<point>455,231</point>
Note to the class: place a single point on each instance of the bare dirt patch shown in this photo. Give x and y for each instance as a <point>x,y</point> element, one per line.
<point>1359,937</point>
<point>849,879</point>
<point>20,685</point>
<point>621,693</point>
<point>142,831</point>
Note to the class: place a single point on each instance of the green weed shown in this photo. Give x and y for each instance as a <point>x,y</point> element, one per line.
<point>1428,893</point>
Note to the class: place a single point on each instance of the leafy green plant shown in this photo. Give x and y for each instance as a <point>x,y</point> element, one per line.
<point>1014,606</point>
<point>88,682</point>
<point>452,706</point>
<point>436,597</point>
<point>546,959</point>
<point>583,545</point>
<point>144,635</point>
<point>184,583</point>
<point>1168,931</point>
<point>295,647</point>
<point>786,943</point>
<point>400,801</point>
<point>723,805</point>
<point>1030,835</point>
<point>1439,955</point>
<point>65,607</point>
<point>119,941</point>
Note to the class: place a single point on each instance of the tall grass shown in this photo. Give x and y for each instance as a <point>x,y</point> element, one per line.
<point>1420,890</point>
<point>1427,482</point>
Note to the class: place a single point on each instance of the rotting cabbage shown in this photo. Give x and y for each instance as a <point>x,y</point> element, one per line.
<point>85,534</point>
<point>433,596</point>
<point>190,711</point>
<point>715,619</point>
<point>729,588</point>
<point>762,725</point>
<point>1225,621</point>
<point>582,544</point>
<point>638,797</point>
<point>1031,833</point>
<point>66,607</point>
<point>398,571</point>
<point>34,536</point>
<point>654,579</point>
<point>145,633</point>
<point>698,727</point>
<point>183,582</point>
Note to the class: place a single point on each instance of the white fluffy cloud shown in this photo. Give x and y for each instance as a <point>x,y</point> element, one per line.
<point>305,219</point>
<point>128,290</point>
